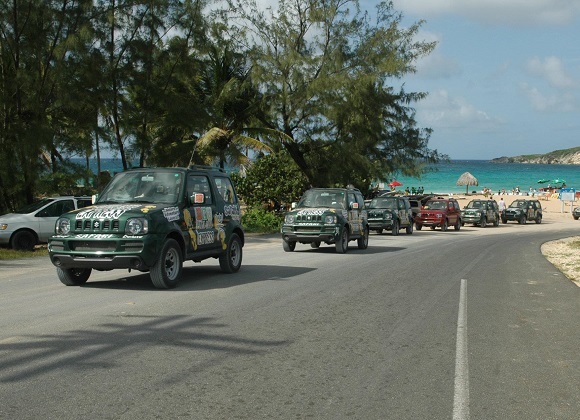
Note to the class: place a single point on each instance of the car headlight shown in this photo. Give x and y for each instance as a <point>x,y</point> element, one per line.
<point>3,226</point>
<point>289,218</point>
<point>439,215</point>
<point>329,219</point>
<point>62,226</point>
<point>388,216</point>
<point>137,226</point>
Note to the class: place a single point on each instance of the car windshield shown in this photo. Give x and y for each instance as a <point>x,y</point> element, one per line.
<point>34,206</point>
<point>518,204</point>
<point>476,205</point>
<point>435,205</point>
<point>317,198</point>
<point>383,203</point>
<point>143,187</point>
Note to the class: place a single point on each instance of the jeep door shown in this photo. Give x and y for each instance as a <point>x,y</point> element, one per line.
<point>453,212</point>
<point>405,214</point>
<point>200,214</point>
<point>355,212</point>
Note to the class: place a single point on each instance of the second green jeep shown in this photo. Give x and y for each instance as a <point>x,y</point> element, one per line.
<point>330,215</point>
<point>152,220</point>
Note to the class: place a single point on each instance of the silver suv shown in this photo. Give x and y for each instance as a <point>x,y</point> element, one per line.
<point>34,224</point>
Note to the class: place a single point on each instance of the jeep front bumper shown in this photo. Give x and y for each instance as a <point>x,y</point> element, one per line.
<point>309,234</point>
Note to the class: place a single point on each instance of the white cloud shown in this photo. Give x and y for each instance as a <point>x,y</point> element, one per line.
<point>519,12</point>
<point>440,110</point>
<point>561,102</point>
<point>552,70</point>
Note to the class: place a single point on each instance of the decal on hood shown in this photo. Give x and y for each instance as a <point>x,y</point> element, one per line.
<point>106,211</point>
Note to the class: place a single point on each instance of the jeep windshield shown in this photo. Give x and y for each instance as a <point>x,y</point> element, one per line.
<point>383,203</point>
<point>475,205</point>
<point>518,204</point>
<point>143,187</point>
<point>314,198</point>
<point>435,205</point>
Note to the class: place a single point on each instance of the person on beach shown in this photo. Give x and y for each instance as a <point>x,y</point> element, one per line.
<point>501,206</point>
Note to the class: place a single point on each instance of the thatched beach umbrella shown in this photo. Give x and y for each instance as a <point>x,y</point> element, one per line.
<point>467,179</point>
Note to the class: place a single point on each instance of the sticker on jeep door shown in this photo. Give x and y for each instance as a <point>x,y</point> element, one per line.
<point>200,226</point>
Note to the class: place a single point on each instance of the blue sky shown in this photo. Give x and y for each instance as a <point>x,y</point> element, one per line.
<point>504,79</point>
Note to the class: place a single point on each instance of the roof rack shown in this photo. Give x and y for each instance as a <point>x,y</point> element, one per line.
<point>207,168</point>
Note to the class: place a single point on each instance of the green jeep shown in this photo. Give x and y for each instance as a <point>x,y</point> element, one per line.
<point>152,220</point>
<point>330,215</point>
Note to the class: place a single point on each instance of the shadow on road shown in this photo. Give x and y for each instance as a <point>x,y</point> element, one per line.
<point>125,336</point>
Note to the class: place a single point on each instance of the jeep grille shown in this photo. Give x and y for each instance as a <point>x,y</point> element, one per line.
<point>309,218</point>
<point>97,226</point>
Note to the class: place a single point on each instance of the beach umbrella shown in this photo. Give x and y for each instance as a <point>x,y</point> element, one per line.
<point>467,179</point>
<point>558,181</point>
<point>543,181</point>
<point>395,184</point>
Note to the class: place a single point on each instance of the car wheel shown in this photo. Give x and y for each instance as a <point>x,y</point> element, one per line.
<point>342,243</point>
<point>523,220</point>
<point>458,225</point>
<point>166,271</point>
<point>496,221</point>
<point>539,219</point>
<point>409,228</point>
<point>23,240</point>
<point>231,259</point>
<point>575,217</point>
<point>315,245</point>
<point>444,225</point>
<point>73,276</point>
<point>418,226</point>
<point>363,241</point>
<point>288,246</point>
<point>504,221</point>
<point>395,230</point>
<point>483,222</point>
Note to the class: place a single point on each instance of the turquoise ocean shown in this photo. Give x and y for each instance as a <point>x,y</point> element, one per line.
<point>445,175</point>
<point>496,176</point>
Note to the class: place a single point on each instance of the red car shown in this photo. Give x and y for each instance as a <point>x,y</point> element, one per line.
<point>443,212</point>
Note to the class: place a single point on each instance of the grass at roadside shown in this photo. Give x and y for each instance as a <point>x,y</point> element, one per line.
<point>10,254</point>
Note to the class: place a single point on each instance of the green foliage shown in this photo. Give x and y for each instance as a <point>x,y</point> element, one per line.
<point>11,254</point>
<point>259,220</point>
<point>315,79</point>
<point>271,180</point>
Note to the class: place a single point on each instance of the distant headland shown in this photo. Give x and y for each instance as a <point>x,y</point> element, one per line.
<point>563,157</point>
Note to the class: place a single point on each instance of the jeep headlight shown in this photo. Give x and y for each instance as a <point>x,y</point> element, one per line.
<point>289,218</point>
<point>387,216</point>
<point>439,215</point>
<point>137,226</point>
<point>62,226</point>
<point>330,220</point>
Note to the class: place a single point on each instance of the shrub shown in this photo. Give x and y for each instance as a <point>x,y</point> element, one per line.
<point>259,220</point>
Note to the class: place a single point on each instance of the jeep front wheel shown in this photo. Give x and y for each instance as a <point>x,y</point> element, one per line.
<point>483,222</point>
<point>395,230</point>
<point>418,226</point>
<point>73,276</point>
<point>342,243</point>
<point>363,241</point>
<point>231,258</point>
<point>444,225</point>
<point>166,271</point>
<point>288,246</point>
<point>523,220</point>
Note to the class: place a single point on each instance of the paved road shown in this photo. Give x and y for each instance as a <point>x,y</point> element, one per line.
<point>435,325</point>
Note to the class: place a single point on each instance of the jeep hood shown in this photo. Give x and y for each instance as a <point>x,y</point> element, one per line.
<point>115,211</point>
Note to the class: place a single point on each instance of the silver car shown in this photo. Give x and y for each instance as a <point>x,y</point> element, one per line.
<point>34,224</point>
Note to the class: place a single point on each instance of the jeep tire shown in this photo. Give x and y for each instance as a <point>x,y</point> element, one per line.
<point>288,246</point>
<point>523,220</point>
<point>539,219</point>
<point>166,271</point>
<point>483,222</point>
<point>444,225</point>
<point>409,228</point>
<point>342,243</point>
<point>395,230</point>
<point>73,276</point>
<point>231,258</point>
<point>363,241</point>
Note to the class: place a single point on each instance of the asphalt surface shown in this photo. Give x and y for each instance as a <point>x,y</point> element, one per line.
<point>434,325</point>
